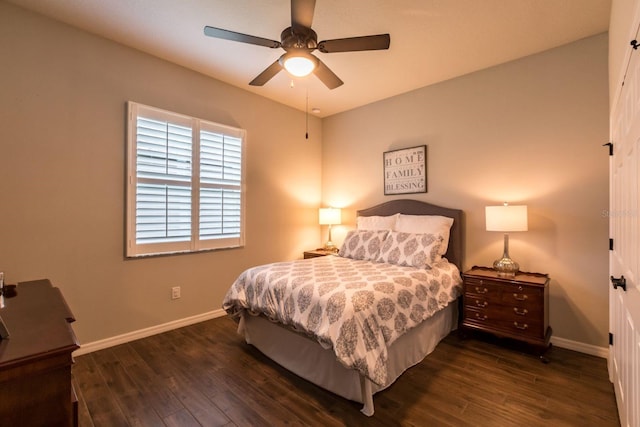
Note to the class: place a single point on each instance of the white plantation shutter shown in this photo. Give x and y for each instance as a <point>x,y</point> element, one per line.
<point>163,213</point>
<point>185,183</point>
<point>220,184</point>
<point>163,190</point>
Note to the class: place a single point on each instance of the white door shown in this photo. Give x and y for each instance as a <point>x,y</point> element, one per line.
<point>624,306</point>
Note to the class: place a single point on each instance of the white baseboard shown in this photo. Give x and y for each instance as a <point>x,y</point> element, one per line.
<point>593,350</point>
<point>143,333</point>
<point>158,329</point>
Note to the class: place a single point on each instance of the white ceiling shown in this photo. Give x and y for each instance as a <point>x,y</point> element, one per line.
<point>431,40</point>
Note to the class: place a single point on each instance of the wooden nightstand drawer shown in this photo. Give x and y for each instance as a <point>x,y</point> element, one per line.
<point>485,289</point>
<point>515,307</point>
<point>508,293</point>
<point>514,311</point>
<point>502,318</point>
<point>519,294</point>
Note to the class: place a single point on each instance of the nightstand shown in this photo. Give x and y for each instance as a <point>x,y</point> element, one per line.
<point>318,252</point>
<point>511,307</point>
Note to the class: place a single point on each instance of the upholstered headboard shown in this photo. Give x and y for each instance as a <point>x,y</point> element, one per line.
<point>415,207</point>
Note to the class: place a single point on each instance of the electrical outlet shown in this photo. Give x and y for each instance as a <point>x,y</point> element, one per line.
<point>175,292</point>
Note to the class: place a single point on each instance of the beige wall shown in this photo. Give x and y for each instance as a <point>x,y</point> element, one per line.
<point>529,131</point>
<point>62,148</point>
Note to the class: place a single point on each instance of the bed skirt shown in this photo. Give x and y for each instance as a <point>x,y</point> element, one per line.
<point>307,359</point>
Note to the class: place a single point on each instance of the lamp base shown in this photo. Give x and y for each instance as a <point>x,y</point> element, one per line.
<point>506,267</point>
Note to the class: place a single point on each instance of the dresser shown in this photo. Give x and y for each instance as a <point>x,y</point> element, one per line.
<point>35,361</point>
<point>512,307</point>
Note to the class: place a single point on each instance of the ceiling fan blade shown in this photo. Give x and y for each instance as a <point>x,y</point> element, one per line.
<point>352,44</point>
<point>267,74</point>
<point>302,13</point>
<point>239,37</point>
<point>327,76</point>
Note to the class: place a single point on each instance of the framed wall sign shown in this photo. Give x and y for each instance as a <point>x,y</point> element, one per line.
<point>405,170</point>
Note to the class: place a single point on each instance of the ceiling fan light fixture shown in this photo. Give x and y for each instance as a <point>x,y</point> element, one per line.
<point>299,64</point>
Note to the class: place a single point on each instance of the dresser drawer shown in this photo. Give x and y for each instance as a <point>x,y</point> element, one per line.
<point>485,289</point>
<point>503,318</point>
<point>483,292</point>
<point>521,295</point>
<point>511,308</point>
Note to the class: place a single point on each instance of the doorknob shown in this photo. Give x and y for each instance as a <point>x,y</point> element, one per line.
<point>622,282</point>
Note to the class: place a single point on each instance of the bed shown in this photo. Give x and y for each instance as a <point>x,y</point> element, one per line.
<point>353,323</point>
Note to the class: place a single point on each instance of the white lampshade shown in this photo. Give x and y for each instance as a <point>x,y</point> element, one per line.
<point>506,218</point>
<point>299,64</point>
<point>329,216</point>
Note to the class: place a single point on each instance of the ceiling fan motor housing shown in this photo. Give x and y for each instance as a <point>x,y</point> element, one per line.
<point>300,38</point>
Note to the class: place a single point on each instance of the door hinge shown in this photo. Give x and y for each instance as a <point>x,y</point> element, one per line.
<point>610,144</point>
<point>610,338</point>
<point>610,244</point>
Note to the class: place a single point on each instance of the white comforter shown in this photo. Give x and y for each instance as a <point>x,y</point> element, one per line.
<point>358,308</point>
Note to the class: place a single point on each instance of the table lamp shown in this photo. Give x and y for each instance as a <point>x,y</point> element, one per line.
<point>330,216</point>
<point>506,218</point>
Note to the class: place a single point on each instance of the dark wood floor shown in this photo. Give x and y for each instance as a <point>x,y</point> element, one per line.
<point>205,375</point>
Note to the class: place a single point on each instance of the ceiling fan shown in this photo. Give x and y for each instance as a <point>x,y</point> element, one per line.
<point>298,41</point>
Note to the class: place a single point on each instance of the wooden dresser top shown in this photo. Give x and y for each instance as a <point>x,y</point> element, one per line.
<point>521,276</point>
<point>38,320</point>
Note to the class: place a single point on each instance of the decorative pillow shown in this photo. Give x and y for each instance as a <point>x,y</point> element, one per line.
<point>376,222</point>
<point>363,244</point>
<point>427,224</point>
<point>410,249</point>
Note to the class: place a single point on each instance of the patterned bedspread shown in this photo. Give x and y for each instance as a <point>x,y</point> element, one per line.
<point>358,308</point>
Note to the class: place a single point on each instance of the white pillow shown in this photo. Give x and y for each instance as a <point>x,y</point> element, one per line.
<point>363,244</point>
<point>376,222</point>
<point>413,250</point>
<point>426,224</point>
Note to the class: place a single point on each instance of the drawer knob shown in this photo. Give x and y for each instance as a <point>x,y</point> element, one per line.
<point>519,326</point>
<point>481,290</point>
<point>520,312</point>
<point>520,297</point>
<point>481,303</point>
<point>481,317</point>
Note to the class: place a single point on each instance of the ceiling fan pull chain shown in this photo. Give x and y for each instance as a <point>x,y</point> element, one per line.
<point>306,117</point>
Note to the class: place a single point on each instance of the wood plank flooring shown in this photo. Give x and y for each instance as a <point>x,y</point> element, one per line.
<point>205,375</point>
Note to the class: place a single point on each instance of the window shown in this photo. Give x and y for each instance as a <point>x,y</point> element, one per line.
<point>184,183</point>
